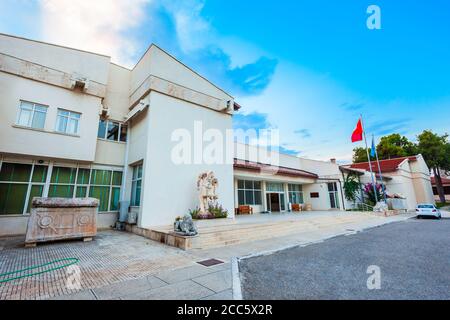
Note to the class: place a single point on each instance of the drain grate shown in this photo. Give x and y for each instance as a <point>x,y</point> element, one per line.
<point>210,262</point>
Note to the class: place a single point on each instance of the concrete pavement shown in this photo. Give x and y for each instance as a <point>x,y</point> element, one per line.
<point>120,265</point>
<point>412,258</point>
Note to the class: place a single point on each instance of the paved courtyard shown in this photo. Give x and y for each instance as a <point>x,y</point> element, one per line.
<point>119,265</point>
<point>413,259</point>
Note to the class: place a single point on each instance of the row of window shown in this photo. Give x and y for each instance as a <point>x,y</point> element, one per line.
<point>250,193</point>
<point>19,183</point>
<point>33,115</point>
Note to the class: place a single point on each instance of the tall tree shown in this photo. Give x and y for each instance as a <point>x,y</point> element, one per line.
<point>359,155</point>
<point>395,146</point>
<point>389,147</point>
<point>436,151</point>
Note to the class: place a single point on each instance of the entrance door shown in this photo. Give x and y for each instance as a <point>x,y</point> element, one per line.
<point>275,202</point>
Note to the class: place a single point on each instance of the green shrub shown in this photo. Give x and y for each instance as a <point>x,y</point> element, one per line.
<point>195,213</point>
<point>218,211</point>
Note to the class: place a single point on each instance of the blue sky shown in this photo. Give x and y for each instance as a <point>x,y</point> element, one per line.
<point>307,68</point>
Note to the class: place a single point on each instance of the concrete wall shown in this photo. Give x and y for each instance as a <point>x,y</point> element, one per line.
<point>117,97</point>
<point>18,140</point>
<point>95,67</point>
<point>170,189</point>
<point>158,63</point>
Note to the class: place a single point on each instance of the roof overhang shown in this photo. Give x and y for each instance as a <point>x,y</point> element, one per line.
<point>266,169</point>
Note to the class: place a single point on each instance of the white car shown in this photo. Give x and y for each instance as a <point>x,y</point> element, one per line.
<point>428,210</point>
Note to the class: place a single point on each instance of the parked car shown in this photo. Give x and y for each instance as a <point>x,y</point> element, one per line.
<point>428,210</point>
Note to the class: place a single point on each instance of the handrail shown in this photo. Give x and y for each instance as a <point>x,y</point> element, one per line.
<point>364,207</point>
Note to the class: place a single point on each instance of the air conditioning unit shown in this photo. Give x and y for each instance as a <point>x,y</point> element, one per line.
<point>80,83</point>
<point>104,112</point>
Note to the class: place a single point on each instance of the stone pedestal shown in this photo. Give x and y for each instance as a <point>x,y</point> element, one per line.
<point>59,219</point>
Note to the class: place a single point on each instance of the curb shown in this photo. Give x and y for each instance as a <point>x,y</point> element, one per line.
<point>236,280</point>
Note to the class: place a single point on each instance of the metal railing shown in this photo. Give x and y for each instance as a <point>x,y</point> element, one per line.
<point>364,207</point>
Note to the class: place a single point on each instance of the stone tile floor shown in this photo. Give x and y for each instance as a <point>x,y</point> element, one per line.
<point>119,265</point>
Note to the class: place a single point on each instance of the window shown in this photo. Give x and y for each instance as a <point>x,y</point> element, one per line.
<point>249,192</point>
<point>334,195</point>
<point>274,187</point>
<point>136,186</point>
<point>112,131</point>
<point>295,194</point>
<point>67,122</point>
<point>62,183</point>
<point>32,115</point>
<point>19,184</point>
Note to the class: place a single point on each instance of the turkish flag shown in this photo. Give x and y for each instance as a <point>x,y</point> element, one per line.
<point>358,133</point>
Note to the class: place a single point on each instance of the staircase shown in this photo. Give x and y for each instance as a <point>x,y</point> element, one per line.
<point>226,232</point>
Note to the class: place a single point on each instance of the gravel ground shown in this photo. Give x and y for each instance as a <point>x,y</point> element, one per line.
<point>413,257</point>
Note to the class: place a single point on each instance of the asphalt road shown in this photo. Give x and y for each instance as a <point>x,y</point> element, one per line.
<point>413,259</point>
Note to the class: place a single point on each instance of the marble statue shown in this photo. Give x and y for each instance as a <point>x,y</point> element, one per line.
<point>207,185</point>
<point>186,226</point>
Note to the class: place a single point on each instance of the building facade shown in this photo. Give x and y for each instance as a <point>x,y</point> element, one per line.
<point>76,125</point>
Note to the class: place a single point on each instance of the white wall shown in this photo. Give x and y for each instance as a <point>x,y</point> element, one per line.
<point>93,66</point>
<point>46,143</point>
<point>170,189</point>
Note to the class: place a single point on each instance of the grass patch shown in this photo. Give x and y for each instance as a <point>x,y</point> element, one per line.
<point>441,205</point>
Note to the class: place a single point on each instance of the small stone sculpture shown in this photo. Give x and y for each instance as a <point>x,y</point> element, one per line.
<point>185,226</point>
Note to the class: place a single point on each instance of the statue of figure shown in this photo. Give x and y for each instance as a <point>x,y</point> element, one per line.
<point>186,226</point>
<point>207,185</point>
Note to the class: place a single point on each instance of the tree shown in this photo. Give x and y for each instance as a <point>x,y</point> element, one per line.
<point>359,155</point>
<point>395,146</point>
<point>436,151</point>
<point>352,187</point>
<point>389,147</point>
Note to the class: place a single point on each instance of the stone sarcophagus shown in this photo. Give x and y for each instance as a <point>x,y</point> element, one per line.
<point>58,219</point>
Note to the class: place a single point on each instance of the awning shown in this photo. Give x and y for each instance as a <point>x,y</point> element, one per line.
<point>272,170</point>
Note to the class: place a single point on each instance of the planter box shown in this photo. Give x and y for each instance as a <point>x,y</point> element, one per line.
<point>59,219</point>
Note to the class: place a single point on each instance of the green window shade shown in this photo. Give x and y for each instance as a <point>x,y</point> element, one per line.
<point>136,193</point>
<point>83,176</point>
<point>60,191</point>
<point>39,174</point>
<point>15,172</point>
<point>102,194</point>
<point>36,191</point>
<point>64,175</point>
<point>117,178</point>
<point>115,196</point>
<point>81,192</point>
<point>101,177</point>
<point>12,198</point>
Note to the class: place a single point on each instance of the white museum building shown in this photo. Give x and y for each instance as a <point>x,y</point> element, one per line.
<point>76,125</point>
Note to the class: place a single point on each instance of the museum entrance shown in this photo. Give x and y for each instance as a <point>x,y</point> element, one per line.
<point>275,202</point>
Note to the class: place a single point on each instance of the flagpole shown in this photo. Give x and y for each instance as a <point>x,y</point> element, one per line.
<point>379,170</point>
<point>370,162</point>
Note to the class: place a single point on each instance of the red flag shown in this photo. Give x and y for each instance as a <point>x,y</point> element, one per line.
<point>358,133</point>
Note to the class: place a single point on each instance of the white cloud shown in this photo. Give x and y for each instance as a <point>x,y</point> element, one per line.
<point>193,31</point>
<point>94,25</point>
